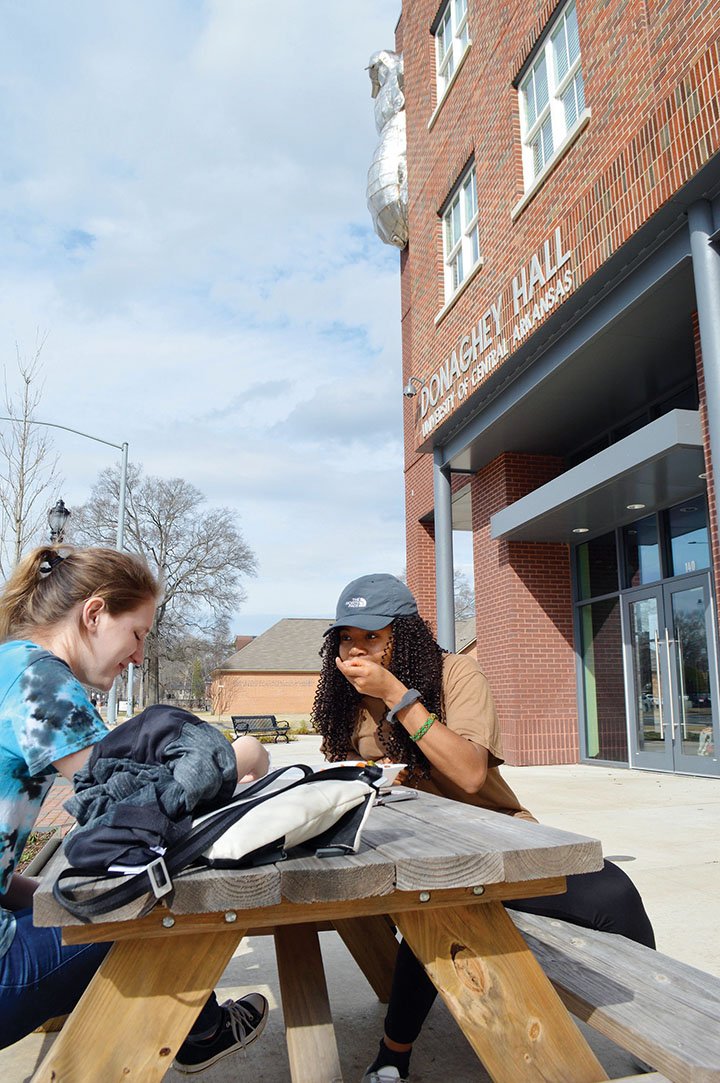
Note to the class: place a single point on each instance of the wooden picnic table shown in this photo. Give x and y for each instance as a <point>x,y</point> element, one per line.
<point>438,869</point>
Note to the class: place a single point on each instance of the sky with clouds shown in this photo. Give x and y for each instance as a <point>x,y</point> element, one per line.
<point>182,210</point>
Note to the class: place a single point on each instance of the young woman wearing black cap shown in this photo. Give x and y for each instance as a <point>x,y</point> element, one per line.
<point>387,691</point>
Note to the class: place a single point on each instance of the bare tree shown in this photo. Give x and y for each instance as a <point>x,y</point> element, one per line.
<point>463,592</point>
<point>199,554</point>
<point>28,464</point>
<point>190,660</point>
<point>464,596</point>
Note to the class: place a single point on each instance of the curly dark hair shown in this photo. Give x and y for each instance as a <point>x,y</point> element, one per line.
<point>416,660</point>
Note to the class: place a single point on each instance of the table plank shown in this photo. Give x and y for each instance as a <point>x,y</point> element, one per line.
<point>324,879</point>
<point>428,844</point>
<point>524,850</point>
<point>138,1009</point>
<point>646,1077</point>
<point>425,858</point>
<point>297,880</point>
<point>498,994</point>
<point>197,891</point>
<point>311,1044</point>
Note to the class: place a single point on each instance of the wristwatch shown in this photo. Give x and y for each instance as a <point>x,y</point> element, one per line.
<point>411,696</point>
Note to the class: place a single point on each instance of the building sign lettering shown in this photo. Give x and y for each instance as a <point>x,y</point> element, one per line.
<point>541,283</point>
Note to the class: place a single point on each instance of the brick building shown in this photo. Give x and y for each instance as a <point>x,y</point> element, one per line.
<point>274,673</point>
<point>561,360</point>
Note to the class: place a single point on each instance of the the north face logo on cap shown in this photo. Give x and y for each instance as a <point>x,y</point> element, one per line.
<point>356,603</point>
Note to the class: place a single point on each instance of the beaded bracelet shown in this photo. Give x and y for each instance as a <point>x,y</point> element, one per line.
<point>424,728</point>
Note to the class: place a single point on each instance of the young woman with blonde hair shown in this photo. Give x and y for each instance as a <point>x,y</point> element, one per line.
<point>68,618</point>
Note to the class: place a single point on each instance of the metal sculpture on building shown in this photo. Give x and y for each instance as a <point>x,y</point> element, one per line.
<point>387,191</point>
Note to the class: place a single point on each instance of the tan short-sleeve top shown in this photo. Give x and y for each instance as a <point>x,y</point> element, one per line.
<point>469,711</point>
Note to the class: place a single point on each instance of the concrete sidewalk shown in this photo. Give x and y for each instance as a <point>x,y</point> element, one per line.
<point>663,829</point>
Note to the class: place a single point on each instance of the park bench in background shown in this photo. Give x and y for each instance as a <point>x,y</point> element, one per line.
<point>260,725</point>
<point>664,1012</point>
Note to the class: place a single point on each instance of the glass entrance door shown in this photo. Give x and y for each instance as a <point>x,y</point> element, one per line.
<point>670,658</point>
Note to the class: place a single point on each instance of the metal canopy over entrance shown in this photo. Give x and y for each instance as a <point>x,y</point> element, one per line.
<point>633,347</point>
<point>655,467</point>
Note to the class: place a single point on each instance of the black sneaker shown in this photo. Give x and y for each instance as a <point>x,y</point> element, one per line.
<point>243,1021</point>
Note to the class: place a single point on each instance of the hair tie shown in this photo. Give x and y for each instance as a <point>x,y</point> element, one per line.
<point>50,561</point>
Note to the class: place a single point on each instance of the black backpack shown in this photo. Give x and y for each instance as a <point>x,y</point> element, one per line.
<point>312,812</point>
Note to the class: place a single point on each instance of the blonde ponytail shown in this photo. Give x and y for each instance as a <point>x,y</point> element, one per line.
<point>51,580</point>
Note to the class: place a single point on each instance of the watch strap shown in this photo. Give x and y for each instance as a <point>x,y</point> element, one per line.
<point>407,699</point>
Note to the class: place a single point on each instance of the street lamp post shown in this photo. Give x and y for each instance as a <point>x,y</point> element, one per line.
<point>57,519</point>
<point>120,537</point>
<point>119,544</point>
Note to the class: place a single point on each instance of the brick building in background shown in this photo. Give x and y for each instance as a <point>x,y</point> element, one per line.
<point>275,673</point>
<point>560,290</point>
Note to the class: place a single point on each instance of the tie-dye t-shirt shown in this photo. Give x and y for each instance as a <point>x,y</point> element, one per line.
<point>45,714</point>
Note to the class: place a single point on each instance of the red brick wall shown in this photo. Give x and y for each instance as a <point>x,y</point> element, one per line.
<point>651,82</point>
<point>280,694</point>
<point>523,601</point>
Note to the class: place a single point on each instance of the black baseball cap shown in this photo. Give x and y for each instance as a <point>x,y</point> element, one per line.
<point>372,602</point>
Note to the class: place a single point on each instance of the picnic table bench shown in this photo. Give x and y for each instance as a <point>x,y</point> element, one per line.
<point>663,1011</point>
<point>262,724</point>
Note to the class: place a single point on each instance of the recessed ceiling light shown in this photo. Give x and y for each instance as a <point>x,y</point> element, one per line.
<point>581,529</point>
<point>635,507</point>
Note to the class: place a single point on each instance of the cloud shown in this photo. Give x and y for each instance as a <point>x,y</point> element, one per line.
<point>347,411</point>
<point>182,208</point>
<point>78,238</point>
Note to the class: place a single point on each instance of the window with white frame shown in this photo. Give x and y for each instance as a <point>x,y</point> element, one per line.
<point>552,95</point>
<point>452,38</point>
<point>461,233</point>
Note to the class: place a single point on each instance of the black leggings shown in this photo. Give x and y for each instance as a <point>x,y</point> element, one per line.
<point>606,900</point>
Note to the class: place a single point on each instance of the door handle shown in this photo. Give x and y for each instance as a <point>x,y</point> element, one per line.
<point>672,705</point>
<point>681,689</point>
<point>660,697</point>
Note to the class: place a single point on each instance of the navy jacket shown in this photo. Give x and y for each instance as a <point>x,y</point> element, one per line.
<point>141,785</point>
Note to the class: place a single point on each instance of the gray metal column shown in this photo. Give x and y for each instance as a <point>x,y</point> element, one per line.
<point>706,270</point>
<point>444,575</point>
